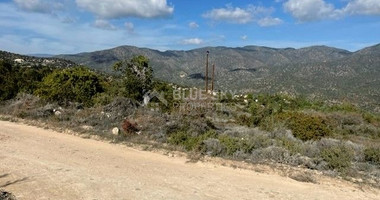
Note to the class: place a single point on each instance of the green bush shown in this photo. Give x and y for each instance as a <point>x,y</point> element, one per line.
<point>372,155</point>
<point>244,120</point>
<point>137,76</point>
<point>166,90</point>
<point>308,127</point>
<point>231,144</point>
<point>77,84</point>
<point>190,142</point>
<point>338,157</point>
<point>8,80</point>
<point>30,78</point>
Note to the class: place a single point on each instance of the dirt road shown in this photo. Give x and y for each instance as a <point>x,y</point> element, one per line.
<point>42,164</point>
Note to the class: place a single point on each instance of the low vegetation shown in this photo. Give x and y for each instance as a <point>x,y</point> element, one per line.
<point>337,139</point>
<point>4,195</point>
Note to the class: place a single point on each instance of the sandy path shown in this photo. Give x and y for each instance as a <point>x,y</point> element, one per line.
<point>43,164</point>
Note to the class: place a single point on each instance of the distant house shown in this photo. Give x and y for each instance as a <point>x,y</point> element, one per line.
<point>19,60</point>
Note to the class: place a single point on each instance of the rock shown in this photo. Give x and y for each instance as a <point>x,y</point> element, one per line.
<point>57,113</point>
<point>116,131</point>
<point>87,128</point>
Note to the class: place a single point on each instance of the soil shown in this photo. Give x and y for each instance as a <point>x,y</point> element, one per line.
<point>38,163</point>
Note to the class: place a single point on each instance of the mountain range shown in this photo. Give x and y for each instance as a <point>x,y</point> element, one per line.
<point>320,72</point>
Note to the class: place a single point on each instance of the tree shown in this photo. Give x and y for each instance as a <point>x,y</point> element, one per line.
<point>77,84</point>
<point>137,76</point>
<point>30,78</point>
<point>8,80</point>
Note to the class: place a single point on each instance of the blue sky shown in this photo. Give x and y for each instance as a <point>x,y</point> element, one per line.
<point>73,26</point>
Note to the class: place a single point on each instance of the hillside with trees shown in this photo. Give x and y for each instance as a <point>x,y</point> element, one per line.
<point>317,72</point>
<point>338,139</point>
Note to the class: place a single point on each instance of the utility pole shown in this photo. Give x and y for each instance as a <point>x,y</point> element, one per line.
<point>213,77</point>
<point>207,72</point>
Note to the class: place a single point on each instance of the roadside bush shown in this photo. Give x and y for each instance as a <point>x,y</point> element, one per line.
<point>4,195</point>
<point>308,127</point>
<point>231,144</point>
<point>120,108</point>
<point>212,147</point>
<point>273,153</point>
<point>372,155</point>
<point>338,157</point>
<point>293,146</point>
<point>190,142</point>
<point>306,177</point>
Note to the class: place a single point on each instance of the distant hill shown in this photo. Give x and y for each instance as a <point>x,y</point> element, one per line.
<point>41,55</point>
<point>317,71</point>
<point>29,61</point>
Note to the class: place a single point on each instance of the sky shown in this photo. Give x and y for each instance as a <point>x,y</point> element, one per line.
<point>74,26</point>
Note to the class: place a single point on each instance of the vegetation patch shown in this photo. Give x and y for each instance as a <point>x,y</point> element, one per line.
<point>308,127</point>
<point>372,155</point>
<point>338,157</point>
<point>340,139</point>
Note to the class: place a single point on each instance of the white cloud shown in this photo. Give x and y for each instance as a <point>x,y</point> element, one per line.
<point>192,41</point>
<point>230,14</point>
<point>39,6</point>
<point>193,25</point>
<point>104,24</point>
<point>311,10</point>
<point>236,15</point>
<point>130,27</point>
<point>27,35</point>
<point>269,21</point>
<point>111,9</point>
<point>244,37</point>
<point>363,7</point>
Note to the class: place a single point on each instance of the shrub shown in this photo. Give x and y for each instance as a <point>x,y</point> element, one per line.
<point>371,118</point>
<point>338,157</point>
<point>129,127</point>
<point>212,147</point>
<point>4,195</point>
<point>231,144</point>
<point>273,153</point>
<point>166,90</point>
<point>8,80</point>
<point>30,78</point>
<point>372,155</point>
<point>137,76</point>
<point>308,127</point>
<point>190,142</point>
<point>306,177</point>
<point>77,84</point>
<point>244,120</point>
<point>119,108</point>
<point>293,146</point>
